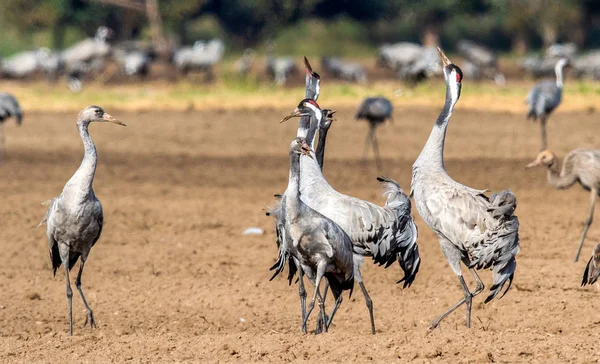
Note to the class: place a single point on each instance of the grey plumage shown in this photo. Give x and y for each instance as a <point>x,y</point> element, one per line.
<point>380,232</point>
<point>481,61</point>
<point>319,245</point>
<point>280,68</point>
<point>375,110</point>
<point>9,107</point>
<point>75,218</point>
<point>579,165</point>
<point>411,62</point>
<point>243,65</point>
<point>20,65</point>
<point>202,56</point>
<point>544,97</point>
<point>480,232</point>
<point>592,269</point>
<point>344,70</point>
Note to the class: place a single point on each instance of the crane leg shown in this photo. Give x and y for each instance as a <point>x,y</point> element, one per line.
<point>65,261</point>
<point>480,286</point>
<point>311,305</point>
<point>369,304</point>
<point>320,323</point>
<point>588,222</point>
<point>338,302</point>
<point>302,294</point>
<point>90,314</point>
<point>543,121</point>
<point>376,150</point>
<point>367,142</point>
<point>467,299</point>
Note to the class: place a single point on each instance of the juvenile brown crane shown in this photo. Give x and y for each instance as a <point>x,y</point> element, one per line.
<point>579,165</point>
<point>74,219</point>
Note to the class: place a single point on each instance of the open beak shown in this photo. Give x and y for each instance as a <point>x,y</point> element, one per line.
<point>110,119</point>
<point>535,163</point>
<point>306,150</point>
<point>330,115</point>
<point>294,114</point>
<point>445,60</point>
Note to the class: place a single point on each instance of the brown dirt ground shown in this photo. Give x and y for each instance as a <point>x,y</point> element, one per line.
<point>172,276</point>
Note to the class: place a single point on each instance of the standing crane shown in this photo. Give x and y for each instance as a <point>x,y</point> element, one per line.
<point>481,232</point>
<point>9,107</point>
<point>386,234</point>
<point>579,165</point>
<point>544,97</point>
<point>74,219</point>
<point>375,110</point>
<point>592,269</point>
<point>319,245</point>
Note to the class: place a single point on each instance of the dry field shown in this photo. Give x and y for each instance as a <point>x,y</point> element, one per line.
<point>173,279</point>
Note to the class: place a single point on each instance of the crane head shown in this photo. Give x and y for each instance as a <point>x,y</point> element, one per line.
<point>545,158</point>
<point>96,113</point>
<point>300,146</point>
<point>304,108</point>
<point>450,69</point>
<point>329,118</point>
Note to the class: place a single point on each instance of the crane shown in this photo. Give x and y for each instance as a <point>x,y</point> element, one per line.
<point>375,110</point>
<point>579,165</point>
<point>592,269</point>
<point>9,107</point>
<point>481,232</point>
<point>319,245</point>
<point>544,97</point>
<point>75,219</point>
<point>386,234</point>
<point>344,70</point>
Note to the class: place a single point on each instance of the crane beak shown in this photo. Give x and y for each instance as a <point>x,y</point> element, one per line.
<point>306,149</point>
<point>330,116</point>
<point>535,163</point>
<point>110,119</point>
<point>294,114</point>
<point>445,60</point>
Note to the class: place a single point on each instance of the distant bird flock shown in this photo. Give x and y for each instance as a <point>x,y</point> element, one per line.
<point>322,234</point>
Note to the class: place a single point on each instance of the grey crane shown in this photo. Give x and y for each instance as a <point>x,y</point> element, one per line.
<point>481,232</point>
<point>203,56</point>
<point>412,62</point>
<point>320,246</point>
<point>50,62</point>
<point>588,65</point>
<point>344,70</point>
<point>243,65</point>
<point>375,110</point>
<point>544,97</point>
<point>280,68</point>
<point>592,269</point>
<point>481,60</point>
<point>579,165</point>
<point>20,65</point>
<point>386,234</point>
<point>74,219</point>
<point>313,89</point>
<point>89,49</point>
<point>9,107</point>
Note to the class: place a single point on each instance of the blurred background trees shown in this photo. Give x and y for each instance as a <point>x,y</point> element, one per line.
<point>345,27</point>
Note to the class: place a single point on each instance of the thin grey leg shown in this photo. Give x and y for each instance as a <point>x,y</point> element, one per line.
<point>467,299</point>
<point>369,304</point>
<point>338,302</point>
<point>480,286</point>
<point>588,222</point>
<point>543,122</point>
<point>311,305</point>
<point>90,314</point>
<point>320,323</point>
<point>69,294</point>
<point>368,140</point>
<point>376,150</point>
<point>302,294</point>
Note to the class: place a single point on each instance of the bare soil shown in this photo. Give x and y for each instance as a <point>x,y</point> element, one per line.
<point>173,279</point>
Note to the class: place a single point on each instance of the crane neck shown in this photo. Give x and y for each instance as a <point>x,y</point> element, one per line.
<point>320,152</point>
<point>432,154</point>
<point>81,182</point>
<point>559,75</point>
<point>315,116</point>
<point>557,178</point>
<point>292,200</point>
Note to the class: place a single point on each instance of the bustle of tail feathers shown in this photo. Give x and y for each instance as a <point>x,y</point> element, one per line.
<point>45,219</point>
<point>502,246</point>
<point>404,240</point>
<point>531,114</point>
<point>592,269</point>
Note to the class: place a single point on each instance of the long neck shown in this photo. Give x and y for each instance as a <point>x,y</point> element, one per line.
<point>316,117</point>
<point>559,75</point>
<point>320,152</point>
<point>292,200</point>
<point>303,127</point>
<point>557,179</point>
<point>84,176</point>
<point>432,154</point>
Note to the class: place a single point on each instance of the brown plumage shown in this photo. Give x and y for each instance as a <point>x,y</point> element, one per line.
<point>579,165</point>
